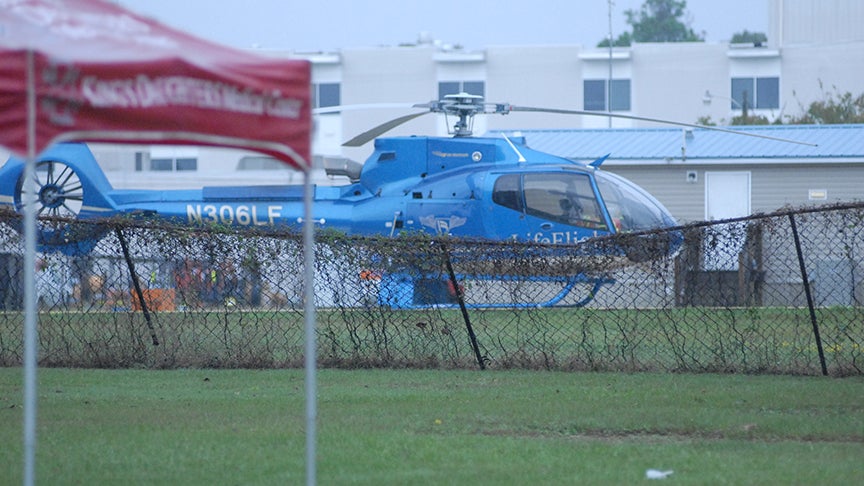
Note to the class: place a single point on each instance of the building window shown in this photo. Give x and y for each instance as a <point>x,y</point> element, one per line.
<point>326,94</point>
<point>768,93</point>
<point>760,93</point>
<point>260,162</point>
<point>172,159</point>
<point>178,164</point>
<point>162,165</point>
<point>186,164</point>
<point>455,87</point>
<point>595,94</point>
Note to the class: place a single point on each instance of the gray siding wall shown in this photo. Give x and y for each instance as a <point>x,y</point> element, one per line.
<point>777,186</point>
<point>686,201</point>
<point>772,186</point>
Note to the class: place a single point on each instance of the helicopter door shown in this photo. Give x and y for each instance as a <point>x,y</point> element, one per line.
<point>505,218</point>
<point>545,207</point>
<point>561,207</point>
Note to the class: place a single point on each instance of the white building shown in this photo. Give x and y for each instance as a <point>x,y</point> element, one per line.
<point>814,48</point>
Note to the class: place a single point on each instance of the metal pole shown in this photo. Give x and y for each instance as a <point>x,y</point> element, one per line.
<point>609,84</point>
<point>461,299</point>
<point>309,312</point>
<point>809,296</point>
<point>137,286</point>
<point>30,333</point>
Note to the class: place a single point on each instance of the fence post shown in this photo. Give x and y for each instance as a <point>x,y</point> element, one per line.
<point>809,296</point>
<point>137,285</point>
<point>461,299</point>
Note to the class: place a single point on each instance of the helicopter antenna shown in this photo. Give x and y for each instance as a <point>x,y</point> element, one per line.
<point>513,146</point>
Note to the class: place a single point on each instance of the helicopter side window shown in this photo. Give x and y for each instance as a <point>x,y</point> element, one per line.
<point>565,198</point>
<point>507,192</point>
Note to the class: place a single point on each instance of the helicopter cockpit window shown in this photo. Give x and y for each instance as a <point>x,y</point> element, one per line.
<point>630,208</point>
<point>565,198</point>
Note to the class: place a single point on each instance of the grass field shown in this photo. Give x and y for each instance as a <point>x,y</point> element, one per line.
<point>435,427</point>
<point>694,339</point>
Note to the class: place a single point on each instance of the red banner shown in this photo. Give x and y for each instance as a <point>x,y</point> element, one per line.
<point>101,73</point>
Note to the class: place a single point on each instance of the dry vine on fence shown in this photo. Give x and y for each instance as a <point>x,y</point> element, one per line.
<point>775,293</point>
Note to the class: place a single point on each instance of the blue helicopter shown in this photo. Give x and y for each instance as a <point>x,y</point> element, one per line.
<point>464,186</point>
<point>468,187</point>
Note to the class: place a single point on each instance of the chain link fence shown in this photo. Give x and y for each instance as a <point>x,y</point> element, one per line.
<point>774,293</point>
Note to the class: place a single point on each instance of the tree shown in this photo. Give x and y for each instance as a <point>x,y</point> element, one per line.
<point>750,120</point>
<point>623,40</point>
<point>656,21</point>
<point>747,37</point>
<point>834,109</point>
<point>746,118</point>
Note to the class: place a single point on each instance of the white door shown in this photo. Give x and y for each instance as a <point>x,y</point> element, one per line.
<point>727,195</point>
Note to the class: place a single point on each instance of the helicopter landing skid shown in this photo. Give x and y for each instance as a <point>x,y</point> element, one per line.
<point>403,291</point>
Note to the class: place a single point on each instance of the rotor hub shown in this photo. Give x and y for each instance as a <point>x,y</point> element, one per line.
<point>464,106</point>
<point>52,196</point>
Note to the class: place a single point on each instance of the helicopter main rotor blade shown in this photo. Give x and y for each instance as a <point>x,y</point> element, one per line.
<point>361,106</point>
<point>381,129</point>
<point>656,120</point>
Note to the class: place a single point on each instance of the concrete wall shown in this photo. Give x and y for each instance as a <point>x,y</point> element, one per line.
<point>796,22</point>
<point>810,73</point>
<point>670,80</point>
<point>540,76</point>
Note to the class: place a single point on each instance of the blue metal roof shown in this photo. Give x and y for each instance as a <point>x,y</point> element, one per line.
<point>835,142</point>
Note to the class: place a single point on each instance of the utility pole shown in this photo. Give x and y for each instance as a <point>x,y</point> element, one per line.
<point>609,82</point>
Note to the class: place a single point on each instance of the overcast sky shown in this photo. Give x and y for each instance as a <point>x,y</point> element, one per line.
<point>330,25</point>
